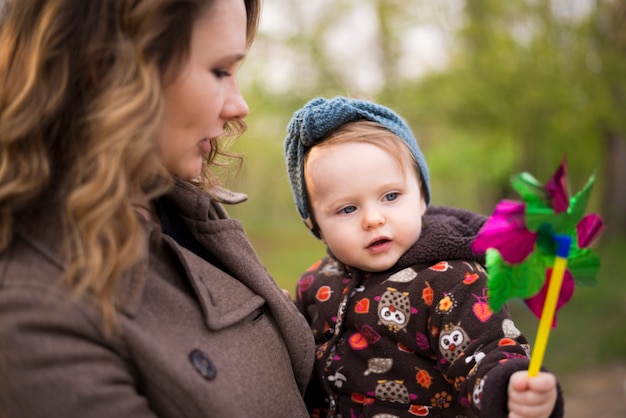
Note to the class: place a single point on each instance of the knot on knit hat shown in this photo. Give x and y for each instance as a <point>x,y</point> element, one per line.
<point>317,119</point>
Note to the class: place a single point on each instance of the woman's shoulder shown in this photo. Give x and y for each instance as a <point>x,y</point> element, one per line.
<point>33,278</point>
<point>35,296</point>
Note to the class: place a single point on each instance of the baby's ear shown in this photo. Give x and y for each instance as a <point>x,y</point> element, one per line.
<point>423,205</point>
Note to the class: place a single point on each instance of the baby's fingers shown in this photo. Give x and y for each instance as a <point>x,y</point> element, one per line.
<point>531,397</point>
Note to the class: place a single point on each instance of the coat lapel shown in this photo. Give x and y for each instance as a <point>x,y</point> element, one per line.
<point>226,241</point>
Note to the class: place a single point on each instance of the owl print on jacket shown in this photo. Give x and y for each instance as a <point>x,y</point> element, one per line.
<point>453,340</point>
<point>394,309</point>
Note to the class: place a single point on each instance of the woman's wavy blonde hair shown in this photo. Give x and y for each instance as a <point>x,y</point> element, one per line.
<point>80,101</point>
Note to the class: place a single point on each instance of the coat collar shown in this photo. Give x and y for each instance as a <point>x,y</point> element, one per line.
<point>225,240</point>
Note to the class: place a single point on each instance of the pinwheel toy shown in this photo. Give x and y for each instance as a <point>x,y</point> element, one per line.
<point>537,250</point>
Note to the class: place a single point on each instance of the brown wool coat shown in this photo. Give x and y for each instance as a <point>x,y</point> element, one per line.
<point>194,341</point>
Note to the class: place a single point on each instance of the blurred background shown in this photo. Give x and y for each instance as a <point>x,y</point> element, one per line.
<point>491,88</point>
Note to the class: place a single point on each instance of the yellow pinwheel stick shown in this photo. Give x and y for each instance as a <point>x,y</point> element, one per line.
<point>549,307</point>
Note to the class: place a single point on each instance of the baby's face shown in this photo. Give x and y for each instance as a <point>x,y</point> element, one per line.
<point>367,206</point>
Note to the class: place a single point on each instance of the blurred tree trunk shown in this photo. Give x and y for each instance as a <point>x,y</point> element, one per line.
<point>610,32</point>
<point>614,202</point>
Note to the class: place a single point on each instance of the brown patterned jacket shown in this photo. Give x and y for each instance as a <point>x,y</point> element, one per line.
<point>416,340</point>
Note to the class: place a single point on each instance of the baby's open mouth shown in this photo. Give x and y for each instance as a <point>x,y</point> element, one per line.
<point>378,243</point>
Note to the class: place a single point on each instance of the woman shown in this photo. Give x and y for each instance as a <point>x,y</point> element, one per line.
<point>125,289</point>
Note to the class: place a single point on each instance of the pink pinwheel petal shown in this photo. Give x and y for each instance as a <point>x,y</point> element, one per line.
<point>506,231</point>
<point>588,229</point>
<point>535,303</point>
<point>557,189</point>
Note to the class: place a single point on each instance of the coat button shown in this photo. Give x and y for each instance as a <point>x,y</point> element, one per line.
<point>203,364</point>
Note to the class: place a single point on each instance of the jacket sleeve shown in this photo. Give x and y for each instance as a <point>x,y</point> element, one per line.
<point>494,399</point>
<point>54,361</point>
<point>477,349</point>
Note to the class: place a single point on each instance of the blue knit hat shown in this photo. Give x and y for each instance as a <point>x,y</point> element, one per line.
<point>317,119</point>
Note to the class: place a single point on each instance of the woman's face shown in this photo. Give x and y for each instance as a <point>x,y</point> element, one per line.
<point>205,94</point>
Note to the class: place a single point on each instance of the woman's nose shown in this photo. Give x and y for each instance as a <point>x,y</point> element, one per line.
<point>235,106</point>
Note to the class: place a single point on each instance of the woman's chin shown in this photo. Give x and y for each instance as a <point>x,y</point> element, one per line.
<point>191,173</point>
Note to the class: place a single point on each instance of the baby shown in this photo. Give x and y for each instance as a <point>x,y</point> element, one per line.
<point>399,306</point>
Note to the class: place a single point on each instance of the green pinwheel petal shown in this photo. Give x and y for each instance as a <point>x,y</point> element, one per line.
<point>545,244</point>
<point>499,282</point>
<point>530,274</point>
<point>565,224</point>
<point>531,191</point>
<point>521,280</point>
<point>536,216</point>
<point>578,202</point>
<point>584,264</point>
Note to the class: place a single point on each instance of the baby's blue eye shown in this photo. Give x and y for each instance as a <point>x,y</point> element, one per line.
<point>391,196</point>
<point>348,209</point>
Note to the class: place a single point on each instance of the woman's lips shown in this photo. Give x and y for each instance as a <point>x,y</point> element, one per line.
<point>205,146</point>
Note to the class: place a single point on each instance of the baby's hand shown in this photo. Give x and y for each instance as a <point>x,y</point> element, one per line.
<point>531,397</point>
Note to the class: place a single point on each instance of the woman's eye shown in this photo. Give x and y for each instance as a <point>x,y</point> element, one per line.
<point>348,209</point>
<point>221,73</point>
<point>391,196</point>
